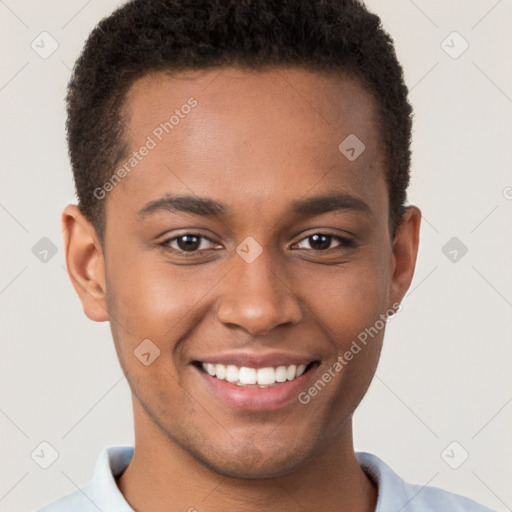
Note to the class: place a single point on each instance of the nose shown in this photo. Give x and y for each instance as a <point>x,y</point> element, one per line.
<point>257,298</point>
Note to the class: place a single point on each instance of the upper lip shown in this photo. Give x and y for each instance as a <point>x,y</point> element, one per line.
<point>254,360</point>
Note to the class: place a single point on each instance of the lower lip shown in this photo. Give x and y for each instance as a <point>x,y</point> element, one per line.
<point>252,398</point>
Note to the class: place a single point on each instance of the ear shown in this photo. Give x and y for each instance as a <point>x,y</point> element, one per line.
<point>405,250</point>
<point>85,263</point>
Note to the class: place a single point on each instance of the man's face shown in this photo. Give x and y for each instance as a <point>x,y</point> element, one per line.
<point>262,283</point>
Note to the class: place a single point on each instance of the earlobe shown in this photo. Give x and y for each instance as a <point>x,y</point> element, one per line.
<point>85,263</point>
<point>405,251</point>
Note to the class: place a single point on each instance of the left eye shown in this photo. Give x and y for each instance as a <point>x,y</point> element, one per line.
<point>322,241</point>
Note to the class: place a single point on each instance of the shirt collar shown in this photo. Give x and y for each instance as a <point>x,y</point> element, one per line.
<point>392,493</point>
<point>102,489</point>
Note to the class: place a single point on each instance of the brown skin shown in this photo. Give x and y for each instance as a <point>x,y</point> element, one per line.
<point>256,141</point>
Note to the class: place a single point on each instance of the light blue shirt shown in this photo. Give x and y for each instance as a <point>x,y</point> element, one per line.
<point>394,495</point>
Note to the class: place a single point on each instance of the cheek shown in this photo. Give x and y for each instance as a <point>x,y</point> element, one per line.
<point>151,299</point>
<point>347,303</point>
<point>348,299</point>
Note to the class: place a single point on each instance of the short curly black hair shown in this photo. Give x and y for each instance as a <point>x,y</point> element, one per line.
<point>144,36</point>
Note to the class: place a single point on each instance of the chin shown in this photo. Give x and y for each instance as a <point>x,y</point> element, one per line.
<point>250,464</point>
<point>238,457</point>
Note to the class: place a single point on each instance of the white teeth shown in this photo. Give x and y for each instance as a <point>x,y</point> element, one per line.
<point>281,374</point>
<point>232,373</point>
<point>262,377</point>
<point>220,371</point>
<point>266,376</point>
<point>247,375</point>
<point>290,372</point>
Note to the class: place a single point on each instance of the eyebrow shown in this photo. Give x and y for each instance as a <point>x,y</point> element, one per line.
<point>208,207</point>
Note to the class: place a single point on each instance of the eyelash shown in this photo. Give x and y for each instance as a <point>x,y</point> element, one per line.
<point>345,243</point>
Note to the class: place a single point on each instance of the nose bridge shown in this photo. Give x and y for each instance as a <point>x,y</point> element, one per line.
<point>254,296</point>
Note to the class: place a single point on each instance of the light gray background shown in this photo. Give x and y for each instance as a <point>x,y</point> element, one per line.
<point>445,369</point>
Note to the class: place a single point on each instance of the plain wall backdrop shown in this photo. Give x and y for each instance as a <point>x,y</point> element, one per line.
<point>443,386</point>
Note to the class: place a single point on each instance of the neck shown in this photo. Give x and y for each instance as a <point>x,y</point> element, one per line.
<point>162,477</point>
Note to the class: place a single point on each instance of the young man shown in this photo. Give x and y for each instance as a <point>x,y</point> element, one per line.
<point>241,169</point>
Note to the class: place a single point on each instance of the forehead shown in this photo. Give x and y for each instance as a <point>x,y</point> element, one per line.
<point>249,135</point>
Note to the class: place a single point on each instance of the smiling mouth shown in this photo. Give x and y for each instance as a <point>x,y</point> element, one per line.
<point>245,376</point>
